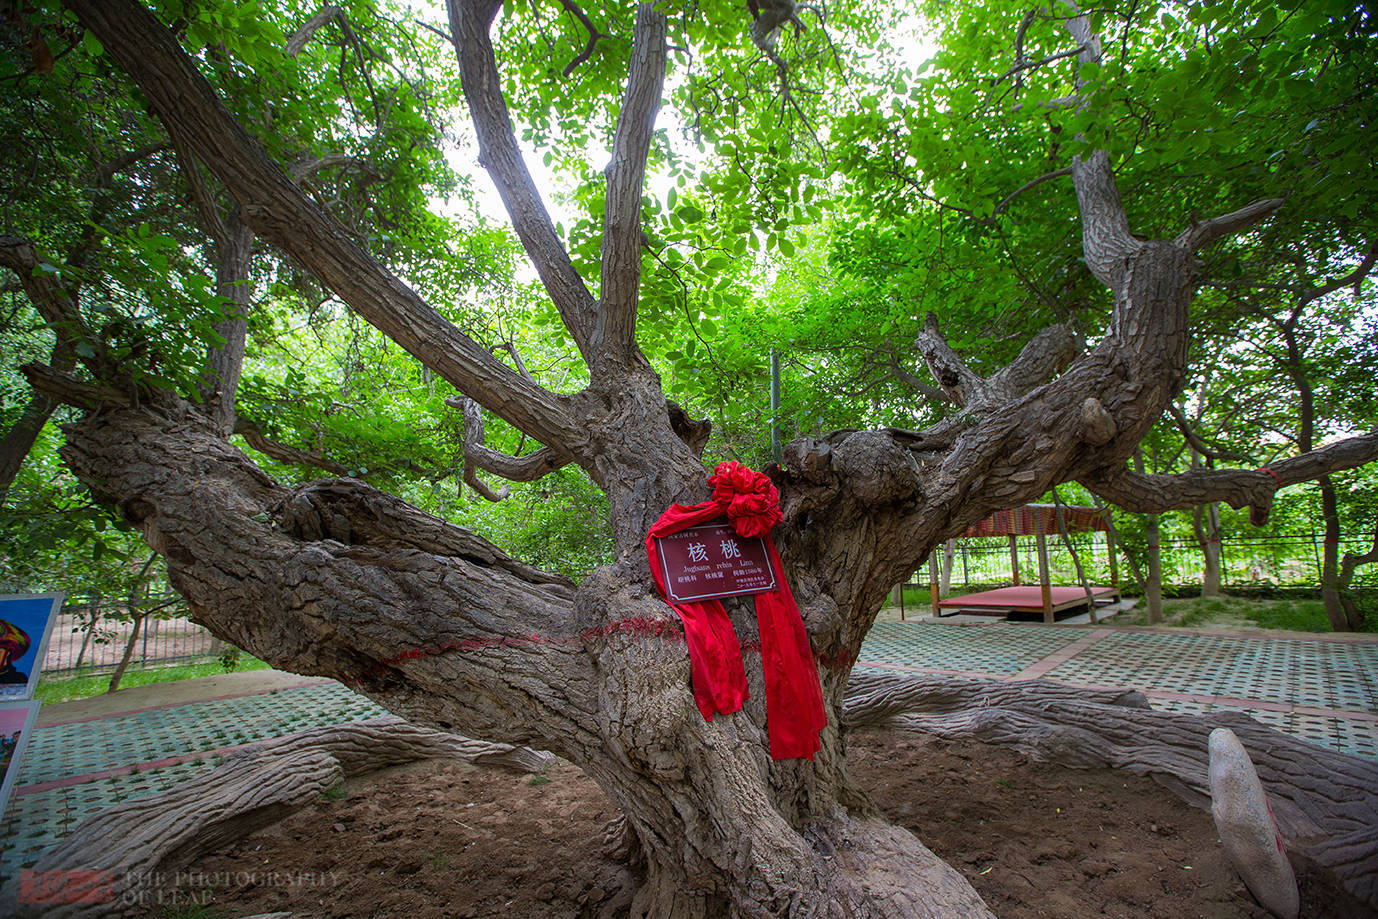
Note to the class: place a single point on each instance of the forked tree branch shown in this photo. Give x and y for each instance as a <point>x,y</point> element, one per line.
<point>477,456</point>
<point>470,21</point>
<point>1195,439</point>
<point>293,456</point>
<point>279,212</point>
<point>594,35</point>
<point>1203,234</point>
<point>615,333</point>
<point>1154,494</point>
<point>1353,278</point>
<point>1046,354</point>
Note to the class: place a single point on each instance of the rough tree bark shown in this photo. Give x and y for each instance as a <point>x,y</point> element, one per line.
<point>138,614</point>
<point>1350,563</point>
<point>447,631</point>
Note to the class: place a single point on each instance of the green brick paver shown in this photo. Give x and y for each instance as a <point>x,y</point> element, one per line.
<point>989,649</point>
<point>74,749</point>
<point>1324,674</point>
<point>35,819</point>
<point>1323,690</point>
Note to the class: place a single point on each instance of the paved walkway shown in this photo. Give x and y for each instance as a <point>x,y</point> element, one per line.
<point>85,756</point>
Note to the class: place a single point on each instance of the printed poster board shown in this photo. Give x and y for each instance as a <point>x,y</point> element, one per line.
<point>26,622</point>
<point>16,726</point>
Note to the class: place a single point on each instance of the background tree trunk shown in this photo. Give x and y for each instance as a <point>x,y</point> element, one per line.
<point>137,614</point>
<point>1342,618</point>
<point>949,560</point>
<point>93,611</point>
<point>1350,563</point>
<point>1153,580</point>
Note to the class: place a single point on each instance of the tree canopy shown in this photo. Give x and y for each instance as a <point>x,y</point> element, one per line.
<point>246,246</point>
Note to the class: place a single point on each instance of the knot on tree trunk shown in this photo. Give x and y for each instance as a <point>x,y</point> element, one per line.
<point>1097,426</point>
<point>878,471</point>
<point>692,432</point>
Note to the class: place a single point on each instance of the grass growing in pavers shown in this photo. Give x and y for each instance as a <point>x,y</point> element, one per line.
<point>1296,615</point>
<point>89,682</point>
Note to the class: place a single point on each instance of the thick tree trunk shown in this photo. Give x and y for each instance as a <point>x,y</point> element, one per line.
<point>1211,575</point>
<point>1349,564</point>
<point>1154,594</point>
<point>1205,524</point>
<point>949,560</point>
<point>1335,611</point>
<point>447,631</point>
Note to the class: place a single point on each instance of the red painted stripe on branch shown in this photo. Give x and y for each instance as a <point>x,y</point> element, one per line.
<point>639,626</point>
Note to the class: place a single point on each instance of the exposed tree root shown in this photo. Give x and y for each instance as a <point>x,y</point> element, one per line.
<point>1326,803</point>
<point>126,847</point>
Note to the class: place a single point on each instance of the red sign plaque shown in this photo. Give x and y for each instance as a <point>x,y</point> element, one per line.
<point>711,561</point>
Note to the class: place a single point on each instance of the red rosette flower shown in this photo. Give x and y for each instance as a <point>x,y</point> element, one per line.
<point>748,497</point>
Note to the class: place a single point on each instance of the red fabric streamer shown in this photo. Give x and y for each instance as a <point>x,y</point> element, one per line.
<point>794,699</point>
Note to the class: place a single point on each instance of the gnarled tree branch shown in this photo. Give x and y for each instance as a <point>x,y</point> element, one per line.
<point>1042,358</point>
<point>615,330</point>
<point>341,580</point>
<point>1153,494</point>
<point>477,455</point>
<point>470,21</point>
<point>276,209</point>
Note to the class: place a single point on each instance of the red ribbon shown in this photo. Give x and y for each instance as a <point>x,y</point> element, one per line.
<point>794,699</point>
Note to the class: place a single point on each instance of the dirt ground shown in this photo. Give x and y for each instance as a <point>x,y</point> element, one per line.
<point>443,840</point>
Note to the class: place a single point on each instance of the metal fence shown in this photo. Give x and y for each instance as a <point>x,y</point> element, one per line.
<point>78,644</point>
<point>1246,562</point>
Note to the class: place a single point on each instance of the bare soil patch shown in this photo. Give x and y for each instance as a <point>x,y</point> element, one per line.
<point>442,840</point>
